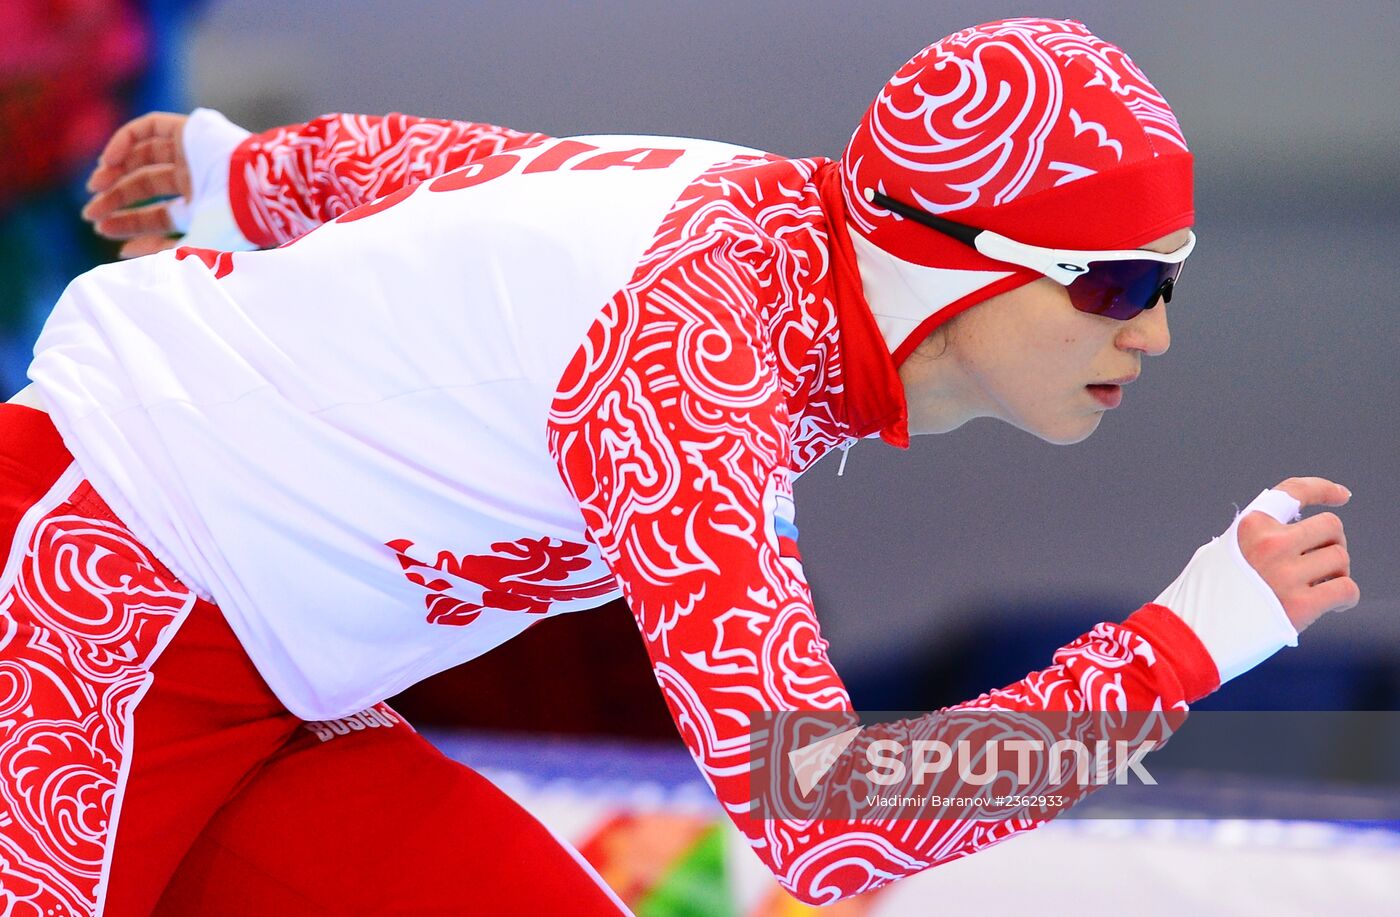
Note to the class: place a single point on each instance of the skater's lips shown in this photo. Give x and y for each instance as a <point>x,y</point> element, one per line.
<point>1110,396</point>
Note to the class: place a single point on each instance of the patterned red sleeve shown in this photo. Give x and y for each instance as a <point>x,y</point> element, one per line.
<point>671,428</point>
<point>289,180</point>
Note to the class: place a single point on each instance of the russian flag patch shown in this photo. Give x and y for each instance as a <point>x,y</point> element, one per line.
<point>783,513</point>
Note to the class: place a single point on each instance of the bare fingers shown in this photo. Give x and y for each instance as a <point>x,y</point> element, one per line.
<point>113,160</point>
<point>1307,563</point>
<point>1323,564</point>
<point>1313,491</point>
<point>152,219</point>
<point>144,184</point>
<point>1334,595</point>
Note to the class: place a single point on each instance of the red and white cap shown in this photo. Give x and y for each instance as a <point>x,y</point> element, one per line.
<point>1033,128</point>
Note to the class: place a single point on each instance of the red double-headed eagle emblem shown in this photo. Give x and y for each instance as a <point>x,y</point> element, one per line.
<point>529,575</point>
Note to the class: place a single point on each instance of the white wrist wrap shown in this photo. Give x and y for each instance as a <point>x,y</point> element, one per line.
<point>207,219</point>
<point>1227,603</point>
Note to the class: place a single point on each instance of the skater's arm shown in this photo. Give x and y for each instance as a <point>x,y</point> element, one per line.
<point>672,432</point>
<point>227,189</point>
<point>288,180</point>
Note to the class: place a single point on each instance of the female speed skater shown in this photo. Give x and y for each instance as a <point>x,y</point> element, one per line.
<point>475,378</point>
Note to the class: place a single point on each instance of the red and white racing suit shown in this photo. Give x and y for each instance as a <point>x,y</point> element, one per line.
<point>509,376</point>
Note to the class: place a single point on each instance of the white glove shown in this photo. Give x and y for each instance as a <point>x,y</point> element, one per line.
<point>1227,603</point>
<point>206,219</point>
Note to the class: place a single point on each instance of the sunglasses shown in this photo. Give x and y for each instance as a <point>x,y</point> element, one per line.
<point>1115,284</point>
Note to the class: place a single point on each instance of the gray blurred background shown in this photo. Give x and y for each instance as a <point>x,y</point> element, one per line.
<point>1284,331</point>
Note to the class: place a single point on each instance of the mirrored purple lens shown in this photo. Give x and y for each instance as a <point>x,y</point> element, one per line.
<point>1121,289</point>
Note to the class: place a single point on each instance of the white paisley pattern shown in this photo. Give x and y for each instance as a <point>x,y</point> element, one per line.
<point>83,610</point>
<point>708,381</point>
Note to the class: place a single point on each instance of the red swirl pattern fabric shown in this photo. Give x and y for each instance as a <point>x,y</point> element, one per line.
<point>984,123</point>
<point>86,608</point>
<point>289,180</point>
<point>724,367</point>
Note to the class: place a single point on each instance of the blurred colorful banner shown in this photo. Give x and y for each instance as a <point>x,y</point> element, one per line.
<point>640,813</point>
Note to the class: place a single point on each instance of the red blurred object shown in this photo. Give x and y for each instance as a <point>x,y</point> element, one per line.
<point>63,65</point>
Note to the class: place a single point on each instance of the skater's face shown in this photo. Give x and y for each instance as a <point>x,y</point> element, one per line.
<point>1028,357</point>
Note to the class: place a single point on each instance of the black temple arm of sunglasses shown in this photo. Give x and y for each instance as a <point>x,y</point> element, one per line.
<point>963,233</point>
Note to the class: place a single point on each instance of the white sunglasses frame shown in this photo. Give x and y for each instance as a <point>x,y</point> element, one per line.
<point>1060,265</point>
